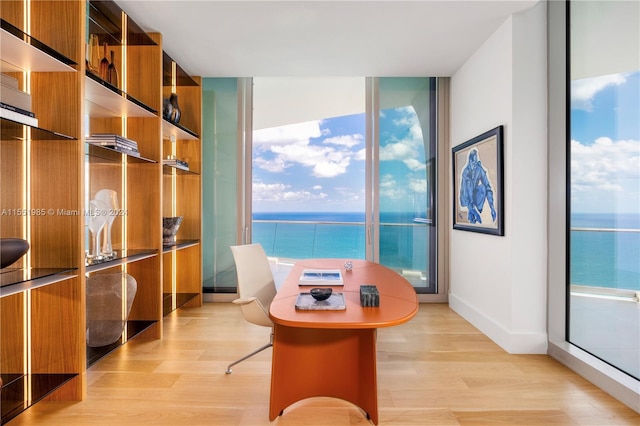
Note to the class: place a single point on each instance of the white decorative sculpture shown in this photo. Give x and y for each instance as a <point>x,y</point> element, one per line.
<point>110,198</point>
<point>97,221</point>
<point>106,316</point>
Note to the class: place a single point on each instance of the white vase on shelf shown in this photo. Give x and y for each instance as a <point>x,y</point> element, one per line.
<point>110,198</point>
<point>96,222</point>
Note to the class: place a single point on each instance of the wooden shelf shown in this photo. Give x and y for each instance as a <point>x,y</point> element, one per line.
<point>122,257</point>
<point>17,280</point>
<point>15,385</point>
<point>23,52</point>
<point>13,130</point>
<point>105,100</point>
<point>101,154</point>
<point>180,244</point>
<point>179,132</point>
<point>171,170</point>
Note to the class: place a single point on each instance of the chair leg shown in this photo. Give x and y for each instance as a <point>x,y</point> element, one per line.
<point>262,348</point>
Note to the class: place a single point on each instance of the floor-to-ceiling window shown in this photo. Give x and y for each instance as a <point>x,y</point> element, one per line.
<point>340,174</point>
<point>604,175</point>
<point>405,175</point>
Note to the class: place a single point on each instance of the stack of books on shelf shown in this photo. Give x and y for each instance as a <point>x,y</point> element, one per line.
<point>116,142</point>
<point>174,162</point>
<point>14,103</point>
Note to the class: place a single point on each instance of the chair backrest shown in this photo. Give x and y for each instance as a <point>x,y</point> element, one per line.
<point>255,278</point>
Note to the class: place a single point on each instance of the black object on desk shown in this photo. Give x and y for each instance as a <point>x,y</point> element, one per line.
<point>369,295</point>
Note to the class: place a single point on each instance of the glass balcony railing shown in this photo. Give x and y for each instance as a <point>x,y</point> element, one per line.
<point>403,246</point>
<point>605,261</point>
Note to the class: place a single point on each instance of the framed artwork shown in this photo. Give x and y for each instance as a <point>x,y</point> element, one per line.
<point>478,197</point>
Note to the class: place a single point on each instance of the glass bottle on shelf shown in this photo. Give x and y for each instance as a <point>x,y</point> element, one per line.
<point>93,60</point>
<point>112,72</point>
<point>104,64</point>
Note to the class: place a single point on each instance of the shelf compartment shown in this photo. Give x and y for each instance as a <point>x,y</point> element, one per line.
<point>122,257</point>
<point>15,131</point>
<point>105,21</point>
<point>182,78</point>
<point>14,386</point>
<point>180,244</point>
<point>103,154</point>
<point>134,328</point>
<point>23,52</point>
<point>15,280</point>
<point>106,100</point>
<point>176,129</point>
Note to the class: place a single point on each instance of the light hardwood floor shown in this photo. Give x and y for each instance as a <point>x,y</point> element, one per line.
<point>435,370</point>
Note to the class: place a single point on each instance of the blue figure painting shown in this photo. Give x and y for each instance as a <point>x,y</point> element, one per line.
<point>475,189</point>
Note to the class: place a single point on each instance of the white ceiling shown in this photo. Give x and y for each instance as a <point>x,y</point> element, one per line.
<point>321,38</point>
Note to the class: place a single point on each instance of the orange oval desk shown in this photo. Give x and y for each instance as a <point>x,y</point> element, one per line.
<point>333,353</point>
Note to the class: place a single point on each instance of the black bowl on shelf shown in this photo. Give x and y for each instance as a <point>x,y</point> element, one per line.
<point>321,293</point>
<point>12,249</point>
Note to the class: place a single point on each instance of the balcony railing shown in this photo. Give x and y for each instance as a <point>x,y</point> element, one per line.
<point>604,262</point>
<point>402,245</point>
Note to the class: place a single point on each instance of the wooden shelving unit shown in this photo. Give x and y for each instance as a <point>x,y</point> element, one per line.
<point>50,173</point>
<point>182,267</point>
<point>130,110</point>
<point>42,295</point>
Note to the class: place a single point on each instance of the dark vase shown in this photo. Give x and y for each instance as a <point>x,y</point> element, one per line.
<point>175,113</point>
<point>167,109</point>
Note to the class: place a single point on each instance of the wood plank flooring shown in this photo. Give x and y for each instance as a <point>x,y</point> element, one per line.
<point>435,370</point>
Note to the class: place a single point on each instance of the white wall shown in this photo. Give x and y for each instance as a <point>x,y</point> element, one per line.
<point>499,283</point>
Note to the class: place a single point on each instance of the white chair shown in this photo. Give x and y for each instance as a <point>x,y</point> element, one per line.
<point>256,289</point>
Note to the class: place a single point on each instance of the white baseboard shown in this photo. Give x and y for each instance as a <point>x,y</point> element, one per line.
<point>512,342</point>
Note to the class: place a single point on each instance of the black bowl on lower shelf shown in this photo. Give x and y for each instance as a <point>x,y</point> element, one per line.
<point>12,249</point>
<point>321,293</point>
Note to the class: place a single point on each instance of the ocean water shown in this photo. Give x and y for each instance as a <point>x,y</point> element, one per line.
<point>342,235</point>
<point>598,258</point>
<point>605,259</point>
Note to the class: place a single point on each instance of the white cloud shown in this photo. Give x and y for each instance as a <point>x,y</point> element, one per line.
<point>276,165</point>
<point>583,91</point>
<point>281,147</point>
<point>418,185</point>
<point>390,189</point>
<point>414,164</point>
<point>292,133</point>
<point>396,151</point>
<point>348,141</point>
<point>317,187</point>
<point>410,148</point>
<point>280,192</point>
<point>266,191</point>
<point>606,167</point>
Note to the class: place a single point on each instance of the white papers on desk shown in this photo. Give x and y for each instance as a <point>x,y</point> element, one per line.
<point>320,277</point>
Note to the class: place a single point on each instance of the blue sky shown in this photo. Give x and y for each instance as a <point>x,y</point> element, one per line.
<point>319,166</point>
<point>605,144</point>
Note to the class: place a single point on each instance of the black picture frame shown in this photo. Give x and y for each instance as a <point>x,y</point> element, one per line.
<point>478,187</point>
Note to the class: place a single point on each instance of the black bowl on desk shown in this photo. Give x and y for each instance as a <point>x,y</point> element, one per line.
<point>321,293</point>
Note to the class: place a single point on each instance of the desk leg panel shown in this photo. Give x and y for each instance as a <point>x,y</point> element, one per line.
<point>310,362</point>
